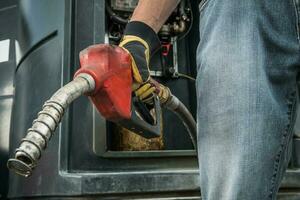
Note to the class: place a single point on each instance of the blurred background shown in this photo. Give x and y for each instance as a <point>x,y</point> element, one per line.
<point>8,34</point>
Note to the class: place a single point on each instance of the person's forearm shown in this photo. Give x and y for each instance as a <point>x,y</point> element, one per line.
<point>154,12</point>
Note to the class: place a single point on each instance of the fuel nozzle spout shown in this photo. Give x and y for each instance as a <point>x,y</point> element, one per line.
<point>105,76</point>
<point>43,128</point>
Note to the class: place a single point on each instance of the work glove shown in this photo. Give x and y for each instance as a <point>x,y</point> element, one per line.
<point>146,91</point>
<point>141,42</point>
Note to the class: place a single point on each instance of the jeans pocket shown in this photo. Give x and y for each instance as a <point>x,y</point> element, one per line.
<point>202,5</point>
<point>297,12</point>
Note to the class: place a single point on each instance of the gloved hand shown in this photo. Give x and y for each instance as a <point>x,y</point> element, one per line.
<point>140,41</point>
<point>146,91</point>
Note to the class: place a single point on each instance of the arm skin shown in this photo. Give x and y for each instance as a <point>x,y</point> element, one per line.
<point>154,13</point>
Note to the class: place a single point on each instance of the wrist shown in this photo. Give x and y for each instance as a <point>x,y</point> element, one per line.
<point>145,32</point>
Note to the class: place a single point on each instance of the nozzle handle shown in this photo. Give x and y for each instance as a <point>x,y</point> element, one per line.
<point>139,125</point>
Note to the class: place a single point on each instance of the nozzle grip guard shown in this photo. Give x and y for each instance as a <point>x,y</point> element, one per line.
<point>141,127</point>
<point>110,66</point>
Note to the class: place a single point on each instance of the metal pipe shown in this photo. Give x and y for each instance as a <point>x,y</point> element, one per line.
<point>114,16</point>
<point>180,27</point>
<point>38,136</point>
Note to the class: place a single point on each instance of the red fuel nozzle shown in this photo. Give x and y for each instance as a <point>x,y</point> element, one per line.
<point>105,76</point>
<point>110,66</point>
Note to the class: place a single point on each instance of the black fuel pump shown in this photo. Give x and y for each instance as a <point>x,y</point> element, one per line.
<point>87,155</point>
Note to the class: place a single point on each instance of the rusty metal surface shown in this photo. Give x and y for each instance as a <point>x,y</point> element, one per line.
<point>127,140</point>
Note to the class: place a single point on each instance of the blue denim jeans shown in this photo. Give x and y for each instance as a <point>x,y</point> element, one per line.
<point>248,60</point>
